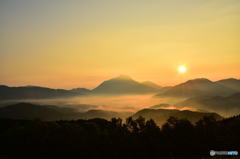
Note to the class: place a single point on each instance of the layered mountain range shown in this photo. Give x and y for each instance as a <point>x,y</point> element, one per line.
<point>50,113</point>
<point>229,105</point>
<point>203,87</point>
<point>161,115</point>
<point>126,85</point>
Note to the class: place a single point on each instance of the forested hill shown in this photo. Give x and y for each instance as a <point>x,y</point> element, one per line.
<point>99,138</point>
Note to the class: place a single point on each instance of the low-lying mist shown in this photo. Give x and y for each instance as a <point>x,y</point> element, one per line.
<point>128,103</point>
<point>122,103</point>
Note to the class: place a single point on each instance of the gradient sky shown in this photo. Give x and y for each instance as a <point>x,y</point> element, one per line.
<point>80,43</point>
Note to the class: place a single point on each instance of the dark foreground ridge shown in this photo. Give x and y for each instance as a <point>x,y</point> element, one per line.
<point>99,138</point>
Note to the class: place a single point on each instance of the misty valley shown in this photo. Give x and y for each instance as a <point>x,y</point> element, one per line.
<point>142,119</point>
<point>119,79</point>
<point>123,95</point>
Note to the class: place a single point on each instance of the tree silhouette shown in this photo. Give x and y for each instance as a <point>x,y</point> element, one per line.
<point>99,138</point>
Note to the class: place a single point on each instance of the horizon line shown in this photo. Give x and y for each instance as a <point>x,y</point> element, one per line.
<point>29,85</point>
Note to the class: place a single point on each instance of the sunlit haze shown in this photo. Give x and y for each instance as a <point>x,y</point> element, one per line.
<point>68,44</point>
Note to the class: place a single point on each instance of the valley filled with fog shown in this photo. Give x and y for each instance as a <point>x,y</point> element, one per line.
<point>125,103</point>
<point>123,97</point>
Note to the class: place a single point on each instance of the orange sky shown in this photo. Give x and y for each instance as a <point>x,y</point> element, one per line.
<point>67,44</point>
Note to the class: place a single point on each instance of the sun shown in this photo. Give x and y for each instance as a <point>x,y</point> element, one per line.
<point>182,69</point>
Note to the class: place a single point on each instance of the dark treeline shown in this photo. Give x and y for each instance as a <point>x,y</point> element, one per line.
<point>99,138</point>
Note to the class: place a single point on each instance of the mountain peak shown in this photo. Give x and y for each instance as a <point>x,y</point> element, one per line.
<point>198,87</point>
<point>123,77</point>
<point>232,83</point>
<point>228,79</point>
<point>148,82</point>
<point>199,80</point>
<point>123,85</point>
<point>151,84</point>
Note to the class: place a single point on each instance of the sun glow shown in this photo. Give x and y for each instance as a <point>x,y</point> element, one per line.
<point>182,69</point>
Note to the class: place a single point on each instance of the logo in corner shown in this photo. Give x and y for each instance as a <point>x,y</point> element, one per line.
<point>212,153</point>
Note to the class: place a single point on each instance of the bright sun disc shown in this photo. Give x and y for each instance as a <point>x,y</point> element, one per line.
<point>182,69</point>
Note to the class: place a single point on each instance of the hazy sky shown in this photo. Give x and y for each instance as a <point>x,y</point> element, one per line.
<point>80,43</point>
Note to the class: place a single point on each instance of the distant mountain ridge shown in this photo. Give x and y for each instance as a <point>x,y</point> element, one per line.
<point>33,111</point>
<point>198,87</point>
<point>50,113</point>
<point>231,83</point>
<point>229,105</point>
<point>151,84</point>
<point>81,90</point>
<point>119,85</point>
<point>124,85</point>
<point>33,92</point>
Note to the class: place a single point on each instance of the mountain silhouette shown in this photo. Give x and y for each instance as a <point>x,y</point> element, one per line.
<point>34,92</point>
<point>198,87</point>
<point>151,84</point>
<point>33,111</point>
<point>231,83</point>
<point>229,105</point>
<point>50,113</point>
<point>159,106</point>
<point>161,115</point>
<point>81,90</point>
<point>124,85</point>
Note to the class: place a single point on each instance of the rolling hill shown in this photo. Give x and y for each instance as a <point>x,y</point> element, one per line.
<point>51,113</point>
<point>161,115</point>
<point>231,83</point>
<point>34,92</point>
<point>81,91</point>
<point>151,84</point>
<point>198,87</point>
<point>229,105</point>
<point>32,111</point>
